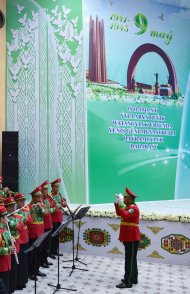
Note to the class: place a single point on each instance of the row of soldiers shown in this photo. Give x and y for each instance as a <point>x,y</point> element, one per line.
<point>21,225</point>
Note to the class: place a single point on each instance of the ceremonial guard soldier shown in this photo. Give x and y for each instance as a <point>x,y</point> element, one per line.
<point>2,197</point>
<point>2,193</point>
<point>16,226</point>
<point>129,234</point>
<point>56,200</point>
<point>48,225</point>
<point>1,183</point>
<point>5,248</point>
<point>22,273</point>
<point>36,229</point>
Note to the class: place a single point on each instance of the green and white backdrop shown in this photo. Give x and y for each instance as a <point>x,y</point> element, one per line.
<point>71,128</point>
<point>45,92</point>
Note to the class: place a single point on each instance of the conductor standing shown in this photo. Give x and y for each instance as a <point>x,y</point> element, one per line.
<point>126,208</point>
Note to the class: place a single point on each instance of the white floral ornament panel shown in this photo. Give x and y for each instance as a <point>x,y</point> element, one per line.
<point>45,99</point>
<point>152,248</point>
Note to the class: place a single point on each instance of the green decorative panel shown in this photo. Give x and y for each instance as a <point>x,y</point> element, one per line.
<point>45,92</point>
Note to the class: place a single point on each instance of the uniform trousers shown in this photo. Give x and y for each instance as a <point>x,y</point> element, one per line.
<point>34,258</point>
<point>4,282</point>
<point>22,272</point>
<point>55,240</point>
<point>46,247</point>
<point>13,274</point>
<point>131,268</point>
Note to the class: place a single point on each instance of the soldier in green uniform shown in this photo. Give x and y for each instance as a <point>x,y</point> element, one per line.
<point>56,199</point>
<point>16,225</point>
<point>1,183</point>
<point>22,274</point>
<point>36,229</point>
<point>5,249</point>
<point>2,197</point>
<point>48,225</point>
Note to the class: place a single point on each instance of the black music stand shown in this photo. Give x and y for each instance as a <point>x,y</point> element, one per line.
<point>82,212</point>
<point>58,231</point>
<point>71,214</point>
<point>34,247</point>
<point>71,218</point>
<point>75,217</point>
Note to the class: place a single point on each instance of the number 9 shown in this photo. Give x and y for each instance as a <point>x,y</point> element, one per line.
<point>141,22</point>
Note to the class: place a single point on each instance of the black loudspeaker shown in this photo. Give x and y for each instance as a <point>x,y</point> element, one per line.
<point>10,163</point>
<point>10,146</point>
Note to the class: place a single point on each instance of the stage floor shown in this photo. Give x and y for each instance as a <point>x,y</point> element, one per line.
<point>105,272</point>
<point>177,207</point>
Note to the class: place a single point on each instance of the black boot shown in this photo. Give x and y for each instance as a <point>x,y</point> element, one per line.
<point>32,277</point>
<point>44,265</point>
<point>48,263</point>
<point>40,274</point>
<point>52,256</point>
<point>60,254</point>
<point>19,288</point>
<point>135,282</point>
<point>124,285</point>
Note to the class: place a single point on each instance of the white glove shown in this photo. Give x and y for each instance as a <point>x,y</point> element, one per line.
<point>12,240</point>
<point>118,198</point>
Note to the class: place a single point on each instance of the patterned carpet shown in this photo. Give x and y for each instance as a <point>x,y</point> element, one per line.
<point>104,273</point>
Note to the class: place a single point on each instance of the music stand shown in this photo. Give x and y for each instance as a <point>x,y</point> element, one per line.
<point>34,247</point>
<point>70,216</point>
<point>75,217</point>
<point>58,231</point>
<point>82,212</point>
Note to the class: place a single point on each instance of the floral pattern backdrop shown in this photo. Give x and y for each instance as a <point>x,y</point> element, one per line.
<point>162,241</point>
<point>45,100</point>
